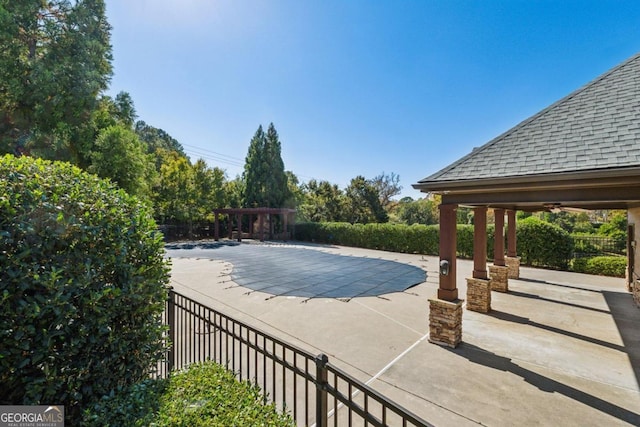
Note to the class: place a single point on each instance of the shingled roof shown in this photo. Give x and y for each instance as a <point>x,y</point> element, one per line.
<point>596,127</point>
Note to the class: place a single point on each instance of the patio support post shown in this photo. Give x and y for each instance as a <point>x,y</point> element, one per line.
<point>216,226</point>
<point>445,311</point>
<point>261,225</point>
<point>478,286</point>
<point>480,242</point>
<point>251,225</point>
<point>239,225</point>
<point>498,252</point>
<point>512,261</point>
<point>448,245</point>
<point>230,225</point>
<point>285,217</point>
<point>498,272</point>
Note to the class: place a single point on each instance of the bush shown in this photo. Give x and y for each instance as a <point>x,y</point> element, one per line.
<point>82,286</point>
<point>601,265</point>
<point>422,239</point>
<point>543,244</point>
<point>205,394</point>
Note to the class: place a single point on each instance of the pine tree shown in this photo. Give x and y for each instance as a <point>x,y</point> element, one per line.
<point>265,180</point>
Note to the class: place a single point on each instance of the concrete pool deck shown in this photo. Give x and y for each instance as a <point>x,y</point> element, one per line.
<point>558,349</point>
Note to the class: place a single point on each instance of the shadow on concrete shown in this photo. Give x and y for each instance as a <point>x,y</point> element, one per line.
<point>570,304</point>
<point>546,282</point>
<point>483,357</point>
<point>626,315</point>
<point>526,321</point>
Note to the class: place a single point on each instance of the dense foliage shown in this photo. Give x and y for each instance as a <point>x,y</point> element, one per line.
<point>264,177</point>
<point>82,279</point>
<point>602,265</point>
<point>543,244</point>
<point>205,394</point>
<point>54,61</point>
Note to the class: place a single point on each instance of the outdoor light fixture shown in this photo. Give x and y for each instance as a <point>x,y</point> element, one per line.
<point>444,267</point>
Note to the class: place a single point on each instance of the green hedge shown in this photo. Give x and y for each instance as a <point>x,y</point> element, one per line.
<point>543,244</point>
<point>82,286</point>
<point>421,239</point>
<point>601,265</point>
<point>539,243</point>
<point>205,394</point>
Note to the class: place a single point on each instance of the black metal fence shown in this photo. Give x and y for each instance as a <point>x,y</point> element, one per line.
<point>308,387</point>
<point>593,245</point>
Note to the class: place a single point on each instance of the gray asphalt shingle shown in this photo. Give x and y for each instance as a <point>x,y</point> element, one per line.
<point>595,127</point>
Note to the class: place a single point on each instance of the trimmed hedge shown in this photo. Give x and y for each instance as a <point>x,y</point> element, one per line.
<point>205,394</point>
<point>543,244</point>
<point>601,265</point>
<point>82,286</point>
<point>416,238</point>
<point>539,243</point>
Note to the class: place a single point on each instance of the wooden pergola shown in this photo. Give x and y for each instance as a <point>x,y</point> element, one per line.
<point>264,218</point>
<point>581,152</point>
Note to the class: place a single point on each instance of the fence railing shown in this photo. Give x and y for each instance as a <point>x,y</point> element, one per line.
<point>594,245</point>
<point>308,387</point>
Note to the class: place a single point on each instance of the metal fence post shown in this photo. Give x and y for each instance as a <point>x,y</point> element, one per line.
<point>321,390</point>
<point>171,320</point>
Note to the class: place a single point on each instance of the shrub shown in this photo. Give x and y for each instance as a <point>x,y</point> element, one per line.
<point>601,265</point>
<point>82,286</point>
<point>422,239</point>
<point>543,244</point>
<point>204,394</point>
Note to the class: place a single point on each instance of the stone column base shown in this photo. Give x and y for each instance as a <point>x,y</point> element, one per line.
<point>478,295</point>
<point>499,278</point>
<point>513,264</point>
<point>636,292</point>
<point>445,322</point>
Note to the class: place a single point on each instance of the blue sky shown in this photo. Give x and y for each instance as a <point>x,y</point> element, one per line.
<point>358,87</point>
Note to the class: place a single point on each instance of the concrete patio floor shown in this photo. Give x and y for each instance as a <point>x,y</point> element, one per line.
<point>558,349</point>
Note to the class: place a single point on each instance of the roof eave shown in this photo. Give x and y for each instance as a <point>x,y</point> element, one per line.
<point>609,176</point>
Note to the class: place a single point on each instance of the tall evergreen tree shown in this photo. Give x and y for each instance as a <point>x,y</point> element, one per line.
<point>55,58</point>
<point>254,171</point>
<point>277,189</point>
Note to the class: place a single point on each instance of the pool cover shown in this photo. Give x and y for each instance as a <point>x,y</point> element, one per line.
<point>289,270</point>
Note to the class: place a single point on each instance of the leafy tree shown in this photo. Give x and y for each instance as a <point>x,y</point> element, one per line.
<point>157,139</point>
<point>121,156</point>
<point>208,188</point>
<point>173,197</point>
<point>363,202</point>
<point>388,186</point>
<point>265,180</point>
<point>296,194</point>
<point>422,211</point>
<point>323,202</point>
<point>55,58</point>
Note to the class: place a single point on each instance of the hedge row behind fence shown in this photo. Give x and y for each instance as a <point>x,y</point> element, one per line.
<point>539,243</point>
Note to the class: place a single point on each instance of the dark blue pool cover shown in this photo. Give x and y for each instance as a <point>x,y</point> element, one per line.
<point>291,270</point>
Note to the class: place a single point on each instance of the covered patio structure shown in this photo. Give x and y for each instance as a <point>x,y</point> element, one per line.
<point>265,223</point>
<point>581,152</point>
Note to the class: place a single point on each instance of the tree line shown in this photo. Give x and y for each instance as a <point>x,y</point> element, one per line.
<point>55,66</point>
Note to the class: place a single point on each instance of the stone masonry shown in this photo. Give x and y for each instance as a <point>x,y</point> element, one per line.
<point>499,278</point>
<point>636,292</point>
<point>478,295</point>
<point>445,322</point>
<point>513,264</point>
